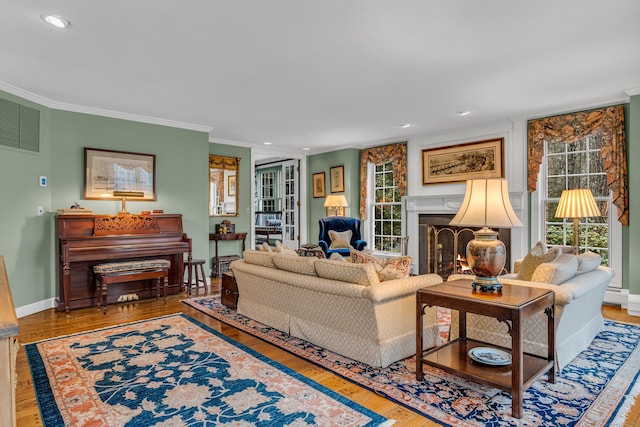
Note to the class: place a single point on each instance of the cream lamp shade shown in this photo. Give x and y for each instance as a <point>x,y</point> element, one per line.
<point>577,203</point>
<point>335,204</point>
<point>486,204</point>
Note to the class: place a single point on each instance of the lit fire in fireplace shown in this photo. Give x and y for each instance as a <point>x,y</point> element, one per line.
<point>463,265</point>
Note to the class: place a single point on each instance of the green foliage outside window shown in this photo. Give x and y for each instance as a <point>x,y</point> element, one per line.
<point>387,210</point>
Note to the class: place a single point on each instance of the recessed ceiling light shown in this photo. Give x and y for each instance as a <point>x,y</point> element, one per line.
<point>267,143</point>
<point>406,125</point>
<point>463,113</point>
<point>56,20</point>
<point>306,149</point>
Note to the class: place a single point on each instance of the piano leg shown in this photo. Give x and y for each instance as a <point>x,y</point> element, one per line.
<point>66,286</point>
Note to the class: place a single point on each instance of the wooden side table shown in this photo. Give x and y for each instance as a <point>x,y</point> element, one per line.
<point>216,237</point>
<point>229,290</point>
<point>513,305</point>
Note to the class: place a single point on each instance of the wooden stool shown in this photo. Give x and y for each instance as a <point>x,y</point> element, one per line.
<point>195,269</point>
<point>130,271</point>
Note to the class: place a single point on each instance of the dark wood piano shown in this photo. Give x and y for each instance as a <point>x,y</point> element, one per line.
<point>86,240</point>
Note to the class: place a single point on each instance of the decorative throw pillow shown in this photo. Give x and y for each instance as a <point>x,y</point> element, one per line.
<point>588,261</point>
<point>337,257</point>
<point>556,272</point>
<point>396,268</point>
<point>284,249</point>
<point>534,258</point>
<point>265,247</point>
<point>340,239</point>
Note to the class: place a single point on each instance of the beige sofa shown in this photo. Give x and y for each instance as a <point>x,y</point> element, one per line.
<point>337,305</point>
<point>578,317</point>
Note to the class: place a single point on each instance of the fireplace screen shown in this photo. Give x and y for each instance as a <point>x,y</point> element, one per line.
<point>443,248</point>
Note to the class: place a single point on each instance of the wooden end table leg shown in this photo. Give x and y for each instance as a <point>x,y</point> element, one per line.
<point>551,342</point>
<point>419,374</point>
<point>517,389</point>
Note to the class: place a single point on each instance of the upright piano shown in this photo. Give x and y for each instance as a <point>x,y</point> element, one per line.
<point>85,240</point>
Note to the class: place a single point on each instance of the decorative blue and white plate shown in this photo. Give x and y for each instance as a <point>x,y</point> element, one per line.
<point>490,356</point>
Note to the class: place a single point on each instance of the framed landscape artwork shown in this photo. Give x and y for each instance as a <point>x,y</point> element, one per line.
<point>319,185</point>
<point>107,171</point>
<point>456,163</point>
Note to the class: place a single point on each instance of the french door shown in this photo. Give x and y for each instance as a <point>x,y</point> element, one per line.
<point>290,203</point>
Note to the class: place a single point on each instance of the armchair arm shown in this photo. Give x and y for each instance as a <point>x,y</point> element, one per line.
<point>360,245</point>
<point>324,246</point>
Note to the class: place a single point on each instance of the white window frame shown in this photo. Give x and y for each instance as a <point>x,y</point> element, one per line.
<point>371,215</point>
<point>538,228</point>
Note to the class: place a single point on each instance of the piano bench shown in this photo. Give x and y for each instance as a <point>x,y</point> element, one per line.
<point>130,271</point>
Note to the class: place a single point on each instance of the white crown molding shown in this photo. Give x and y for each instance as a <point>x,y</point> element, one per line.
<point>579,107</point>
<point>633,91</point>
<point>49,103</point>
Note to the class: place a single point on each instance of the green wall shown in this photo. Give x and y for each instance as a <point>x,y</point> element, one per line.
<point>28,241</point>
<point>350,158</point>
<point>243,220</point>
<point>631,270</point>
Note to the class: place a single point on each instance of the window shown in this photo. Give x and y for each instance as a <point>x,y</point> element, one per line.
<point>577,165</point>
<point>268,189</point>
<point>387,210</point>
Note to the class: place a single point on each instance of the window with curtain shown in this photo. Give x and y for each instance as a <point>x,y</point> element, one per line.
<point>576,165</point>
<point>383,170</point>
<point>585,149</point>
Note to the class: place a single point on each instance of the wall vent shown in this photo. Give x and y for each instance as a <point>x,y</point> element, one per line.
<point>19,126</point>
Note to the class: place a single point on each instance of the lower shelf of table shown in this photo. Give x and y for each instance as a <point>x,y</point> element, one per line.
<point>453,358</point>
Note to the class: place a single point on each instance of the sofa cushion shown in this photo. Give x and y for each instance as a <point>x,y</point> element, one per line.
<point>298,264</point>
<point>284,249</point>
<point>359,274</point>
<point>534,258</point>
<point>262,258</point>
<point>387,268</point>
<point>340,239</point>
<point>588,261</point>
<point>556,272</point>
<point>337,257</point>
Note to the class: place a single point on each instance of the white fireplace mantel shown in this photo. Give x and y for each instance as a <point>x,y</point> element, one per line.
<point>414,206</point>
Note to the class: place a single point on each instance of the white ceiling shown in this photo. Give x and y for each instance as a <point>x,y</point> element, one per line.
<point>323,73</point>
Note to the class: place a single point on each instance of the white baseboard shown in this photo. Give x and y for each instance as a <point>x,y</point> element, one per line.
<point>616,296</point>
<point>634,305</point>
<point>36,307</point>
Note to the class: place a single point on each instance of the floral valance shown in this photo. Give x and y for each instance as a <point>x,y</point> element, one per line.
<point>379,156</point>
<point>609,124</point>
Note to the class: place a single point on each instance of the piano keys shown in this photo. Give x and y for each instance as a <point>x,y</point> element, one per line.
<point>87,240</point>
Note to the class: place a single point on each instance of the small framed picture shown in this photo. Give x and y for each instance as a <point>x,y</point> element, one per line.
<point>337,179</point>
<point>319,185</point>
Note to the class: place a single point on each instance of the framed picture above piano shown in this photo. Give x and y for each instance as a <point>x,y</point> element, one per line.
<point>109,171</point>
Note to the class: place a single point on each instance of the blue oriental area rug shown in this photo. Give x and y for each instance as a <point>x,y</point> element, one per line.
<point>176,371</point>
<point>596,389</point>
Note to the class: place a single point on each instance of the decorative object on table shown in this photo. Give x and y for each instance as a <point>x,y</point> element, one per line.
<point>127,194</point>
<point>311,250</point>
<point>319,185</point>
<point>490,356</point>
<point>335,204</point>
<point>340,224</point>
<point>336,182</point>
<point>108,171</point>
<point>225,227</point>
<point>457,163</point>
<point>75,208</point>
<point>161,372</point>
<point>577,203</point>
<point>603,377</point>
<point>486,204</point>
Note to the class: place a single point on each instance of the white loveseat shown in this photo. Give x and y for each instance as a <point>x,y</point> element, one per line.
<point>337,305</point>
<point>579,290</point>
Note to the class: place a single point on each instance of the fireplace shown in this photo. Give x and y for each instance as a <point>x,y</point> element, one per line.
<point>442,248</point>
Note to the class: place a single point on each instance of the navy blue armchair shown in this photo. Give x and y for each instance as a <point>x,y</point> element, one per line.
<point>340,224</point>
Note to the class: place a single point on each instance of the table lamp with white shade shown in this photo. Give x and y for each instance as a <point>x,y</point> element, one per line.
<point>486,204</point>
<point>335,204</point>
<point>577,203</point>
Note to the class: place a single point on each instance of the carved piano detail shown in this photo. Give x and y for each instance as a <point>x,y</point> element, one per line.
<point>87,240</point>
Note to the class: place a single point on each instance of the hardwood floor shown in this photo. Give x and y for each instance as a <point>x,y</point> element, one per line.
<point>51,323</point>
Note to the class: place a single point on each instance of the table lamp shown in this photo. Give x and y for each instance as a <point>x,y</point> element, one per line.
<point>577,203</point>
<point>335,204</point>
<point>124,195</point>
<point>486,204</point>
